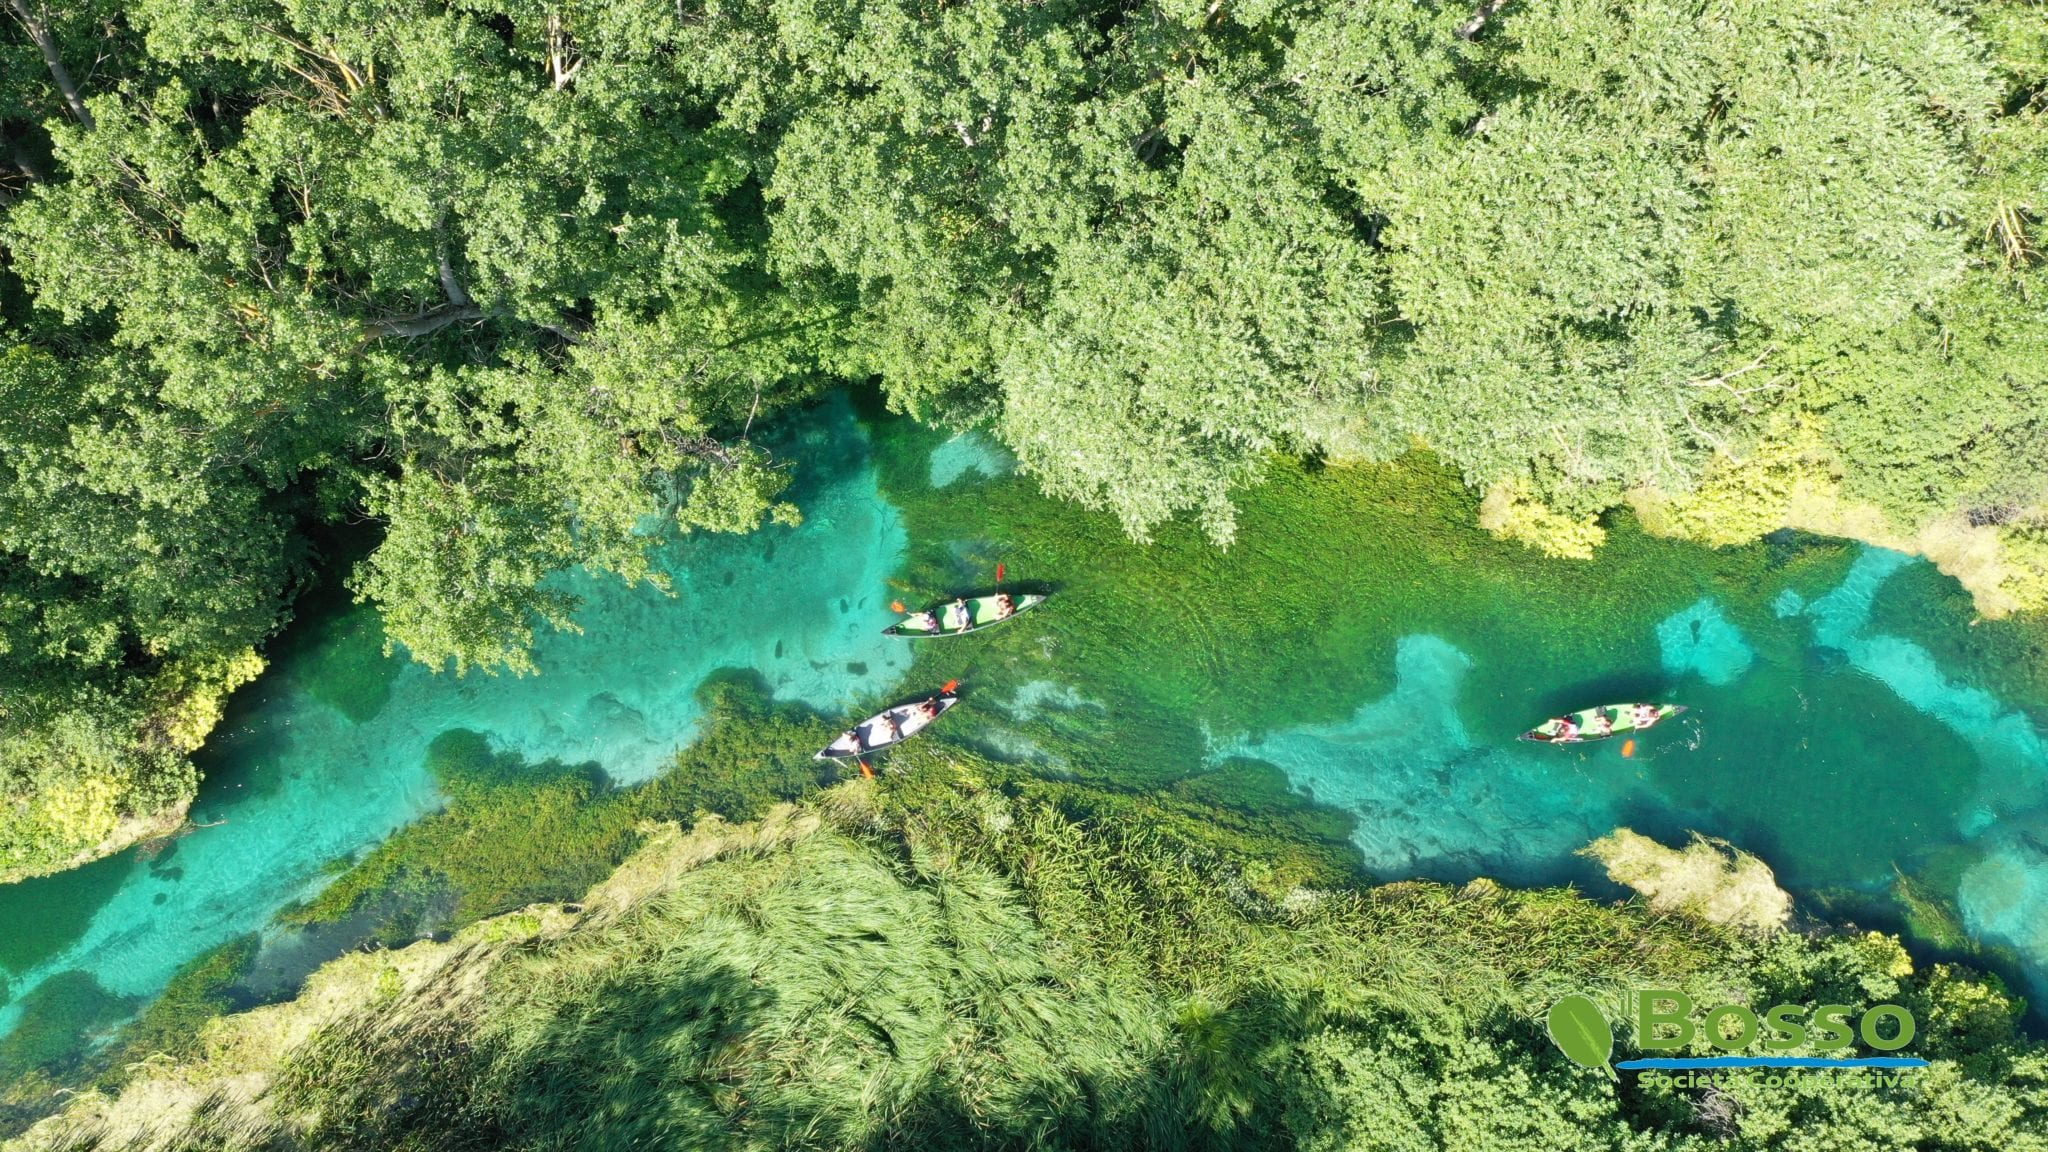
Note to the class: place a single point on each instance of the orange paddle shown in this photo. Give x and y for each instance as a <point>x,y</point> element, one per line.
<point>1628,749</point>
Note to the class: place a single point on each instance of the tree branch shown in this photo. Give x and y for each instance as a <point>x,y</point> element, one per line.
<point>39,31</point>
<point>1485,12</point>
<point>423,324</point>
<point>452,286</point>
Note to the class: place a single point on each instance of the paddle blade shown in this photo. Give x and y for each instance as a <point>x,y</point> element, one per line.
<point>896,606</point>
<point>866,773</point>
<point>999,573</point>
<point>1628,749</point>
<point>950,685</point>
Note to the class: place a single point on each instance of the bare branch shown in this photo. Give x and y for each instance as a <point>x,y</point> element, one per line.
<point>423,324</point>
<point>565,330</point>
<point>452,286</point>
<point>1486,11</point>
<point>39,31</point>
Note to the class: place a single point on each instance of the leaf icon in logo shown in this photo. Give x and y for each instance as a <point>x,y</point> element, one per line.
<point>1580,1031</point>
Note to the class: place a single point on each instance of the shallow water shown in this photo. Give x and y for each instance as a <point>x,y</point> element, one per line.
<point>326,754</point>
<point>1847,722</point>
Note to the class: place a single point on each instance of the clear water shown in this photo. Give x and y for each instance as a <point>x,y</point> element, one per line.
<point>1848,721</point>
<point>326,754</point>
<point>969,454</point>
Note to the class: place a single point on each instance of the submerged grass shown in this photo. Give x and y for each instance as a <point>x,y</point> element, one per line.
<point>513,832</point>
<point>1297,623</point>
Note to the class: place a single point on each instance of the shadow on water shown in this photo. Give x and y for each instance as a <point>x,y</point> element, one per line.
<point>41,918</point>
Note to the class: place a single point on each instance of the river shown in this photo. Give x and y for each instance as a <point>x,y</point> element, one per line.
<point>1850,722</point>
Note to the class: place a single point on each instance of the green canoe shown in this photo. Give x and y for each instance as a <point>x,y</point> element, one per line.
<point>1620,720</point>
<point>946,619</point>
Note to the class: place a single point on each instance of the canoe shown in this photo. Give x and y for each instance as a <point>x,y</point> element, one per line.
<point>1621,716</point>
<point>862,738</point>
<point>981,613</point>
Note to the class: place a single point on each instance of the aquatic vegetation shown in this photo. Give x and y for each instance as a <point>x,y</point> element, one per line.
<point>538,834</point>
<point>1708,878</point>
<point>171,1028</point>
<point>1930,919</point>
<point>295,781</point>
<point>512,832</point>
<point>928,961</point>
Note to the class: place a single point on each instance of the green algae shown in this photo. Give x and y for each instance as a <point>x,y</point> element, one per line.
<point>1298,622</point>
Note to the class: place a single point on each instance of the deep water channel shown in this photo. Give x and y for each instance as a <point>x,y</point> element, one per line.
<point>1361,644</point>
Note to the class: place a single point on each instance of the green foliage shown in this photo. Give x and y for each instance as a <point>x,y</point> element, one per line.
<point>517,281</point>
<point>1740,500</point>
<point>925,961</point>
<point>1511,514</point>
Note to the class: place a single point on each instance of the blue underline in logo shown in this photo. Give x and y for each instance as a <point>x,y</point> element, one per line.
<point>1776,1062</point>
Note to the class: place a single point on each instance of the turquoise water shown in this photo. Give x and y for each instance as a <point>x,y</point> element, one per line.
<point>1379,660</point>
<point>294,780</point>
<point>969,454</point>
<point>1805,763</point>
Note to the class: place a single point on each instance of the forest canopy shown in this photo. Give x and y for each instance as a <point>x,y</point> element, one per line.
<point>515,280</point>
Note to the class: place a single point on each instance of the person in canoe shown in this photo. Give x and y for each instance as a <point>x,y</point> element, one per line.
<point>1600,724</point>
<point>885,730</point>
<point>1644,715</point>
<point>1567,731</point>
<point>922,622</point>
<point>1005,607</point>
<point>957,616</point>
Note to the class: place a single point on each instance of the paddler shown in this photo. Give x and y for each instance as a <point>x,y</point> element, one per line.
<point>1567,730</point>
<point>1645,715</point>
<point>1601,724</point>
<point>922,622</point>
<point>956,615</point>
<point>886,731</point>
<point>1005,607</point>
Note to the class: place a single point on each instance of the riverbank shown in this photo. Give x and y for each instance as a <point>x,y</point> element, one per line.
<point>953,956</point>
